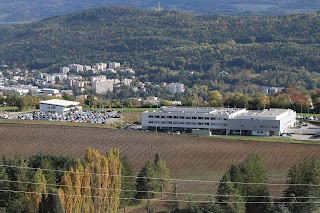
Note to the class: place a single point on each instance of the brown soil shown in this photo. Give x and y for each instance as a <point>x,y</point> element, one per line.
<point>187,157</point>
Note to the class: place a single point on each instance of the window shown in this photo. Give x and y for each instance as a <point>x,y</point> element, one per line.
<point>169,122</point>
<point>188,117</point>
<point>200,123</point>
<point>163,116</point>
<point>156,116</point>
<point>169,117</point>
<point>242,125</point>
<point>194,117</point>
<point>175,117</point>
<point>206,123</point>
<point>150,122</point>
<point>181,122</point>
<point>206,118</point>
<point>213,118</point>
<point>163,122</point>
<point>181,117</point>
<point>150,116</point>
<point>200,118</point>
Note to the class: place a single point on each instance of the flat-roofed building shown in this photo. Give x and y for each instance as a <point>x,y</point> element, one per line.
<point>263,123</point>
<point>59,106</point>
<point>238,121</point>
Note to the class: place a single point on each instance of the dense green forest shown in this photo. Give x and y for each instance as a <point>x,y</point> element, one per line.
<point>167,45</point>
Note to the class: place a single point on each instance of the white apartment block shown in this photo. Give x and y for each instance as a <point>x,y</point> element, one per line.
<point>176,88</point>
<point>76,67</point>
<point>126,81</point>
<point>100,66</point>
<point>54,76</point>
<point>64,70</point>
<point>234,121</point>
<point>102,87</point>
<point>113,65</point>
<point>98,78</point>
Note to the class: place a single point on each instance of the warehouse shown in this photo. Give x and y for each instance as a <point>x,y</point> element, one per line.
<point>235,121</point>
<point>59,106</point>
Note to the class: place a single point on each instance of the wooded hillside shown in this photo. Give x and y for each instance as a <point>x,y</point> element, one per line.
<point>261,50</point>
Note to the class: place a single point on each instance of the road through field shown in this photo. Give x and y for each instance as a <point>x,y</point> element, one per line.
<point>187,157</point>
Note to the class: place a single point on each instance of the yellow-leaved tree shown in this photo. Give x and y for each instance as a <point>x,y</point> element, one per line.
<point>93,186</point>
<point>36,191</point>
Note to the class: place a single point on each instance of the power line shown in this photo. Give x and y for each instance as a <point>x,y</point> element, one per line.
<point>156,192</point>
<point>144,199</point>
<point>166,179</point>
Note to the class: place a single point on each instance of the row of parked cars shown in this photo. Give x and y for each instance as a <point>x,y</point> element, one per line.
<point>101,117</point>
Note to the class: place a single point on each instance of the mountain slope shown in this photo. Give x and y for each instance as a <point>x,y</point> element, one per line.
<point>169,39</point>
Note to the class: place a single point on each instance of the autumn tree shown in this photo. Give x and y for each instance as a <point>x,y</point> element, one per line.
<point>215,98</point>
<point>36,190</point>
<point>94,185</point>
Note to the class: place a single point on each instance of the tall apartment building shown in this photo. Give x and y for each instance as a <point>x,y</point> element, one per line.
<point>100,66</point>
<point>98,78</point>
<point>176,88</point>
<point>76,67</point>
<point>102,86</point>
<point>64,70</point>
<point>113,65</point>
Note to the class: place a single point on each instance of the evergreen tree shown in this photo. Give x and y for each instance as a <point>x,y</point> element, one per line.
<point>229,197</point>
<point>127,183</point>
<point>152,177</point>
<point>253,172</point>
<point>144,183</point>
<point>305,173</point>
<point>50,203</point>
<point>4,196</point>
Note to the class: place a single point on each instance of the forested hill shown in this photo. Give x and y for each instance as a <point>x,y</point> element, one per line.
<point>30,10</point>
<point>169,39</point>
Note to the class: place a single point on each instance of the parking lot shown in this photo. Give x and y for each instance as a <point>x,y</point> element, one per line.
<point>99,117</point>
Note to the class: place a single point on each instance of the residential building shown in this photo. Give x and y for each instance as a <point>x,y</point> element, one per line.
<point>48,91</point>
<point>100,66</point>
<point>76,67</point>
<point>98,78</point>
<point>176,88</point>
<point>102,86</point>
<point>64,70</point>
<point>59,106</point>
<point>113,65</point>
<point>126,81</point>
<point>235,121</point>
<point>271,90</point>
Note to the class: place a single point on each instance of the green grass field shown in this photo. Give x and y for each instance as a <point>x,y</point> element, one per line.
<point>308,114</point>
<point>9,109</point>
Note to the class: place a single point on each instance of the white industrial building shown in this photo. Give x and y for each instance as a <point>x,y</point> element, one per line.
<point>234,121</point>
<point>59,106</point>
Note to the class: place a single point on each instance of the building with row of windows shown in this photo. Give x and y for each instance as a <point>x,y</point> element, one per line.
<point>234,121</point>
<point>59,106</point>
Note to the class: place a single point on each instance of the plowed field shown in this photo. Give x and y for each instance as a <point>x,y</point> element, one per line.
<point>187,157</point>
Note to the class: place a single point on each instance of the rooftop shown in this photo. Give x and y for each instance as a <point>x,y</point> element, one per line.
<point>58,102</point>
<point>267,113</point>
